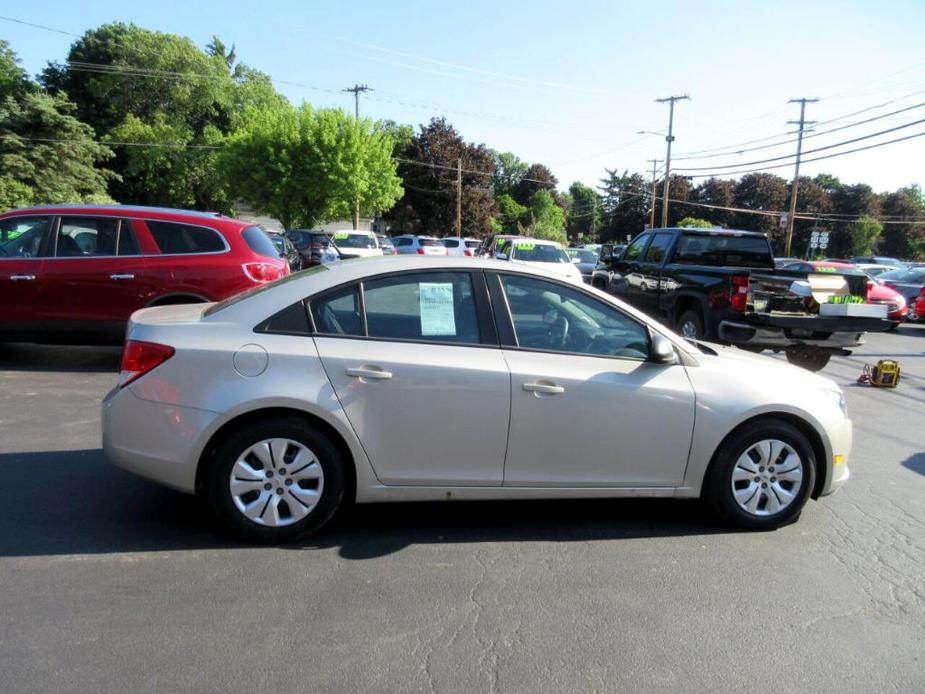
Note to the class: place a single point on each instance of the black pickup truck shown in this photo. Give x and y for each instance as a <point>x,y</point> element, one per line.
<point>721,285</point>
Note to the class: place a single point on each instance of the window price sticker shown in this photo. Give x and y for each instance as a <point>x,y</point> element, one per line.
<point>437,315</point>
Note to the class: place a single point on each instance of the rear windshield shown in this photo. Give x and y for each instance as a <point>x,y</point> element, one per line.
<point>538,253</point>
<point>475,243</point>
<point>345,239</point>
<point>912,275</point>
<point>737,251</point>
<point>427,242</point>
<point>260,243</point>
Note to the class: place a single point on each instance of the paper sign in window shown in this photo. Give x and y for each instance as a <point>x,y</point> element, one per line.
<point>437,315</point>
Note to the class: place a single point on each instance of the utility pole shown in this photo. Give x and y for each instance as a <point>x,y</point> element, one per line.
<point>356,90</point>
<point>459,197</point>
<point>593,228</point>
<point>796,173</point>
<point>669,138</point>
<point>655,163</point>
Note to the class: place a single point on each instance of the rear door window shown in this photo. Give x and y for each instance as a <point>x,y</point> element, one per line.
<point>424,306</point>
<point>338,312</point>
<point>80,237</point>
<point>174,238</point>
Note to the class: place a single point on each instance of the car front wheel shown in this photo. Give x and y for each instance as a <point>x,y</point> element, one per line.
<point>762,476</point>
<point>276,481</point>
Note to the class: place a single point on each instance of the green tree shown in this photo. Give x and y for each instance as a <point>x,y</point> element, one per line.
<point>547,219</point>
<point>902,237</point>
<point>303,166</point>
<point>584,213</point>
<point>13,79</point>
<point>512,214</point>
<point>765,192</point>
<point>694,223</point>
<point>47,155</point>
<point>864,233</point>
<point>715,191</point>
<point>624,204</point>
<point>509,169</point>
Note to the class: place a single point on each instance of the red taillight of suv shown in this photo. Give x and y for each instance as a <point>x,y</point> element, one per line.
<point>468,252</point>
<point>264,272</point>
<point>420,251</point>
<point>738,293</point>
<point>139,357</point>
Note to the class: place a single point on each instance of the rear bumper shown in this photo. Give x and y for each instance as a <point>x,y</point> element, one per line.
<point>152,439</point>
<point>738,333</point>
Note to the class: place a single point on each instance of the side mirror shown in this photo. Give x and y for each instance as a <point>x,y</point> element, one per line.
<point>500,256</point>
<point>663,351</point>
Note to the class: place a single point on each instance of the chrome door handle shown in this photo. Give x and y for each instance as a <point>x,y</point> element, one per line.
<point>121,277</point>
<point>545,388</point>
<point>22,278</point>
<point>366,372</point>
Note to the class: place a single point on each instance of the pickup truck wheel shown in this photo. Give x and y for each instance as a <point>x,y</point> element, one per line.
<point>809,359</point>
<point>762,476</point>
<point>690,325</point>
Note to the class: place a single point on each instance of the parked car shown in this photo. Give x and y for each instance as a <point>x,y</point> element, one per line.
<point>385,243</point>
<point>287,250</point>
<point>917,310</point>
<point>721,285</point>
<point>908,282</point>
<point>877,293</point>
<point>491,244</point>
<point>585,260</point>
<point>328,404</point>
<point>409,244</point>
<point>356,244</point>
<point>541,254</point>
<point>457,245</point>
<point>878,259</point>
<point>75,273</point>
<point>314,246</point>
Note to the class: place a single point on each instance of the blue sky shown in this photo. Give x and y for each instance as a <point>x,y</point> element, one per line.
<point>570,84</point>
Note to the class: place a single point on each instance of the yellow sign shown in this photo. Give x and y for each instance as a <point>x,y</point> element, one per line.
<point>340,235</point>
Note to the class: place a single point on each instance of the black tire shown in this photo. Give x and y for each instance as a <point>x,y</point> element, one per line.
<point>691,321</point>
<point>811,360</point>
<point>718,489</point>
<point>226,455</point>
<point>893,326</point>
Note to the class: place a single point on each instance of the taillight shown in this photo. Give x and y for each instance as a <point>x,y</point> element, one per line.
<point>922,292</point>
<point>264,272</point>
<point>139,357</point>
<point>467,252</point>
<point>738,293</point>
<point>315,246</point>
<point>420,251</point>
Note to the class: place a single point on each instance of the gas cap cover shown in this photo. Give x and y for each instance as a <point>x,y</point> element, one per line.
<point>251,360</point>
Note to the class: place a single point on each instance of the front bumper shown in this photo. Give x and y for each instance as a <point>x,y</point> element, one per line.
<point>840,435</point>
<point>152,439</point>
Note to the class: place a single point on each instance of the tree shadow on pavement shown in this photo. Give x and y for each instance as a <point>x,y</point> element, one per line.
<point>74,502</point>
<point>23,356</point>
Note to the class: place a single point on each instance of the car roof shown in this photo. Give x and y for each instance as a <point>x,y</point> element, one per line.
<point>134,211</point>
<point>542,242</point>
<point>715,231</point>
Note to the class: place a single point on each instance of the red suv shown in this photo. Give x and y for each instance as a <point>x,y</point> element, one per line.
<point>75,273</point>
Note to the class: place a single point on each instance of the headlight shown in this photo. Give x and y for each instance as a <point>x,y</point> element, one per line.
<point>839,398</point>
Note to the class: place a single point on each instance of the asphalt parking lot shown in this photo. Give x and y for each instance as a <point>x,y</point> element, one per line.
<point>109,581</point>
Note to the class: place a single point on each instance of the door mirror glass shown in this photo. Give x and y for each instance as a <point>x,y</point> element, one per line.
<point>663,351</point>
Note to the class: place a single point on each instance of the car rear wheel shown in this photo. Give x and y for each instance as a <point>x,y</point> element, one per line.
<point>762,476</point>
<point>276,481</point>
<point>690,325</point>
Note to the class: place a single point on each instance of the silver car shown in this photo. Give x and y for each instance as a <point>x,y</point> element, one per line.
<point>349,382</point>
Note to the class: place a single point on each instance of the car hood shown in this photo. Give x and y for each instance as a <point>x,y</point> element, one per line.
<point>737,364</point>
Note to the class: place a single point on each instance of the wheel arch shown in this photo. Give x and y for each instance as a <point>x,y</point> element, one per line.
<point>266,413</point>
<point>805,427</point>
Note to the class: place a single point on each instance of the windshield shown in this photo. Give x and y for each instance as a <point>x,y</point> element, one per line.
<point>424,241</point>
<point>583,255</point>
<point>345,239</point>
<point>529,252</point>
<point>914,275</point>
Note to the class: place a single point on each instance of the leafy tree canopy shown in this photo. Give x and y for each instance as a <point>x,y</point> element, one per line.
<point>694,223</point>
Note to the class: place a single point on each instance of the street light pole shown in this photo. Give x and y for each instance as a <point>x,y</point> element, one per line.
<point>669,138</point>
